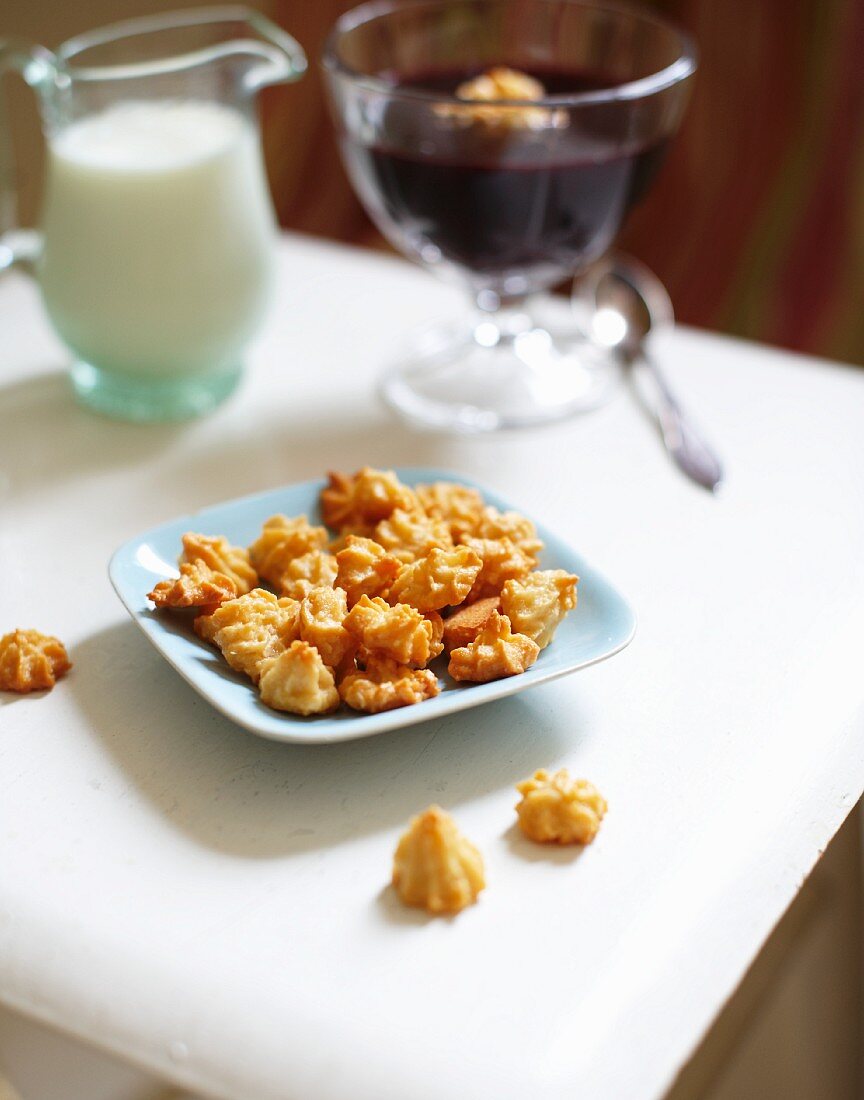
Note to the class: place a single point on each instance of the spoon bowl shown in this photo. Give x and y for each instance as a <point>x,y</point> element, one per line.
<point>618,304</point>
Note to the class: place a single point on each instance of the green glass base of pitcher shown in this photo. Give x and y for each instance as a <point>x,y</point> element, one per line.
<point>126,398</point>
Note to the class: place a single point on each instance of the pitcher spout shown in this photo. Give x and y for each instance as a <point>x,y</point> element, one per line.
<point>274,57</point>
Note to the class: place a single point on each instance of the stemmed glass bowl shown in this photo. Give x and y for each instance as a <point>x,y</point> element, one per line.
<point>509,196</point>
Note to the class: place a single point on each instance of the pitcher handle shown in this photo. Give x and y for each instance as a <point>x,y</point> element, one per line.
<point>38,68</point>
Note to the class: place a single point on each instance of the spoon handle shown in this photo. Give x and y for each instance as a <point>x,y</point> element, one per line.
<point>685,445</point>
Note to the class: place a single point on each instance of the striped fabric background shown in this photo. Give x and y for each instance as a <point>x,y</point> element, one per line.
<point>756,224</point>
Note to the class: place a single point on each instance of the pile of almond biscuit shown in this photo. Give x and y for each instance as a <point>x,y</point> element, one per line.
<point>353,611</point>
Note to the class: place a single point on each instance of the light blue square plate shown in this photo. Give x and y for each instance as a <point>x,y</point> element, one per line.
<point>601,625</point>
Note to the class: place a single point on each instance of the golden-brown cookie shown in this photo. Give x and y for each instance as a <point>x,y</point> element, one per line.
<point>502,561</point>
<point>363,499</point>
<point>385,684</point>
<point>537,603</point>
<point>514,526</point>
<point>282,540</point>
<point>217,552</point>
<point>30,661</point>
<point>399,632</point>
<point>411,535</point>
<point>495,652</point>
<point>252,628</point>
<point>298,681</point>
<point>197,586</point>
<point>441,579</point>
<point>555,809</point>
<point>460,507</point>
<point>365,569</point>
<point>483,107</point>
<point>322,613</point>
<point>435,867</point>
<point>316,569</point>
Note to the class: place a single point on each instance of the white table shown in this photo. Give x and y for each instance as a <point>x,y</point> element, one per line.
<point>213,906</point>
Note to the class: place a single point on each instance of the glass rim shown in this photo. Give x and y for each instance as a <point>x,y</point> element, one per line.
<point>680,69</point>
<point>166,21</point>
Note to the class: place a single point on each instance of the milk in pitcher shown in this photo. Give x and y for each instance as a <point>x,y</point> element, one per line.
<point>158,237</point>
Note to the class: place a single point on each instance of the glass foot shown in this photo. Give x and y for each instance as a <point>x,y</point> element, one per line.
<point>506,372</point>
<point>127,398</point>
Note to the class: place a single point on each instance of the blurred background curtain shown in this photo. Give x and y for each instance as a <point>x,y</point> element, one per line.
<point>756,224</point>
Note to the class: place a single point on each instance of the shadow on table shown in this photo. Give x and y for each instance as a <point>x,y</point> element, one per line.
<point>7,699</point>
<point>531,852</point>
<point>237,793</point>
<point>393,911</point>
<point>250,456</point>
<point>47,439</point>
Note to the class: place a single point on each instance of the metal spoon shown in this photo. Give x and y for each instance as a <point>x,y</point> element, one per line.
<point>618,302</point>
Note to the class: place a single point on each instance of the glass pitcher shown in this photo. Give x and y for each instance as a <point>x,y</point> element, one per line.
<point>157,243</point>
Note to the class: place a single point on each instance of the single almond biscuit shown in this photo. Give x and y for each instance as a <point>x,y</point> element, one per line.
<point>556,809</point>
<point>384,684</point>
<point>252,628</point>
<point>435,866</point>
<point>217,552</point>
<point>30,661</point>
<point>443,578</point>
<point>298,681</point>
<point>315,569</point>
<point>485,104</point>
<point>197,586</point>
<point>514,526</point>
<point>322,613</point>
<point>411,535</point>
<point>502,561</point>
<point>363,499</point>
<point>283,539</point>
<point>496,652</point>
<point>537,604</point>
<point>459,506</point>
<point>399,632</point>
<point>363,568</point>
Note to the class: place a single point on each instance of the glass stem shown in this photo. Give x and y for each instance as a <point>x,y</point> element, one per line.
<point>499,320</point>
